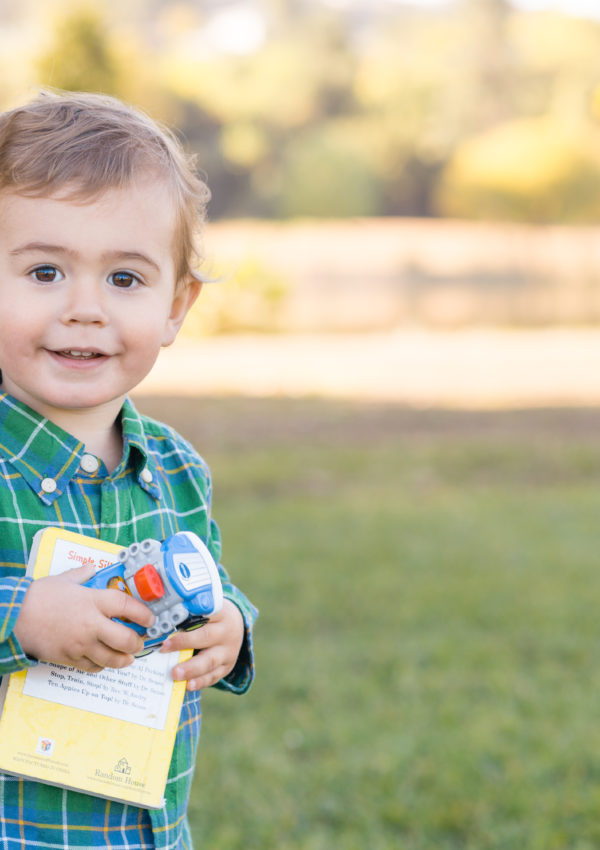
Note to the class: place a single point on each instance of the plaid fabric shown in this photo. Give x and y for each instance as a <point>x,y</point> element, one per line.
<point>122,507</point>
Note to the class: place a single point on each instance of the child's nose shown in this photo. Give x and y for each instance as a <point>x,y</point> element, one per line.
<point>84,304</point>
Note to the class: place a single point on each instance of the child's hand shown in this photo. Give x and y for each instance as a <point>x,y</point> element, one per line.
<point>218,644</point>
<point>62,622</point>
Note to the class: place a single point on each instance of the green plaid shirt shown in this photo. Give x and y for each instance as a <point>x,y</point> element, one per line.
<point>160,487</point>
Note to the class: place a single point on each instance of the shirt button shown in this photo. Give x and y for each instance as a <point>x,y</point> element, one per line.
<point>146,475</point>
<point>48,485</point>
<point>89,463</point>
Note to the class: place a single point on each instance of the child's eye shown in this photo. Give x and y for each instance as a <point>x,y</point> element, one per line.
<point>124,280</point>
<point>46,274</point>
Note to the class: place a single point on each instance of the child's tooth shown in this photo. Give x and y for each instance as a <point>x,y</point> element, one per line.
<point>75,352</point>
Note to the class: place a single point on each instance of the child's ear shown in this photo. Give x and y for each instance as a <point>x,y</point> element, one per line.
<point>185,296</point>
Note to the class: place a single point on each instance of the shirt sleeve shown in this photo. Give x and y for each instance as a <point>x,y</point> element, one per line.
<point>12,593</point>
<point>242,675</point>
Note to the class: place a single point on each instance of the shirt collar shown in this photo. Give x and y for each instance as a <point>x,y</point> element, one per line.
<point>136,451</point>
<point>47,457</point>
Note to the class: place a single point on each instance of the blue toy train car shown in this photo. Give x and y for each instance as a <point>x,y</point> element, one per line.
<point>178,580</point>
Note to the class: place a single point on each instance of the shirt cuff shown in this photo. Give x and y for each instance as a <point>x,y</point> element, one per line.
<point>242,675</point>
<point>12,593</point>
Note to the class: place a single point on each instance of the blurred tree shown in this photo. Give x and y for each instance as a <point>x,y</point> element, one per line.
<point>325,172</point>
<point>560,61</point>
<point>543,163</point>
<point>79,57</point>
<point>86,53</point>
<point>264,100</point>
<point>408,108</point>
<point>535,169</point>
<point>273,87</point>
<point>488,67</point>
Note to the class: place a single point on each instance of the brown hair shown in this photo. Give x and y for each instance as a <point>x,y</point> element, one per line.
<point>94,142</point>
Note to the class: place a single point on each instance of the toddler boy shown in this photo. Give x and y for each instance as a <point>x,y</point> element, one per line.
<point>99,211</point>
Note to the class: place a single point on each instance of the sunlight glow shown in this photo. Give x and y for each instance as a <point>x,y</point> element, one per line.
<point>239,29</point>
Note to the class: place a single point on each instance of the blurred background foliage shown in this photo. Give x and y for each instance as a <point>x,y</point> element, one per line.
<point>471,108</point>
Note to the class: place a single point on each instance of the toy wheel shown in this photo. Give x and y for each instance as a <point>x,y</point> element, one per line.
<point>147,651</point>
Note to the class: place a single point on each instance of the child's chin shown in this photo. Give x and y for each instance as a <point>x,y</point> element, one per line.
<point>82,401</point>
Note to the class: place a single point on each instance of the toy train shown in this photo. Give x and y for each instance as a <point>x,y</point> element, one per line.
<point>178,580</point>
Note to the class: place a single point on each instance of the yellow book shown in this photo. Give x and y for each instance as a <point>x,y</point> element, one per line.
<point>111,733</point>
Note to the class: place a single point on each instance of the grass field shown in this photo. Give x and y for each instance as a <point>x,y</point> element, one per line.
<point>428,650</point>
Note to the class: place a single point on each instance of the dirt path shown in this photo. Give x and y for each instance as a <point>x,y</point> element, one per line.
<point>470,369</point>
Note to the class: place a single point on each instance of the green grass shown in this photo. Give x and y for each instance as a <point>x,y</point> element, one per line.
<point>428,649</point>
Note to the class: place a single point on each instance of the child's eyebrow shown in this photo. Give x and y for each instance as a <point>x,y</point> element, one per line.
<point>47,247</point>
<point>40,246</point>
<point>130,255</point>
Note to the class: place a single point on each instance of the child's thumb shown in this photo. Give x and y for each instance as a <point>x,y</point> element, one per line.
<point>79,575</point>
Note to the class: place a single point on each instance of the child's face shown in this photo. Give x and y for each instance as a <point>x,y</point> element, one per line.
<point>86,295</point>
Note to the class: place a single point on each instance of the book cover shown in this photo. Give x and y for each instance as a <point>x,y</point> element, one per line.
<point>110,733</point>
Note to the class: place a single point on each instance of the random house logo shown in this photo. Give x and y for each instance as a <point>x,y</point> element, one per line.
<point>121,772</point>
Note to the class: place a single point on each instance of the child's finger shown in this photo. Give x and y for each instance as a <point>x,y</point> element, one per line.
<point>78,575</point>
<point>120,638</point>
<point>101,657</point>
<point>115,603</point>
<point>201,671</point>
<point>199,638</point>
